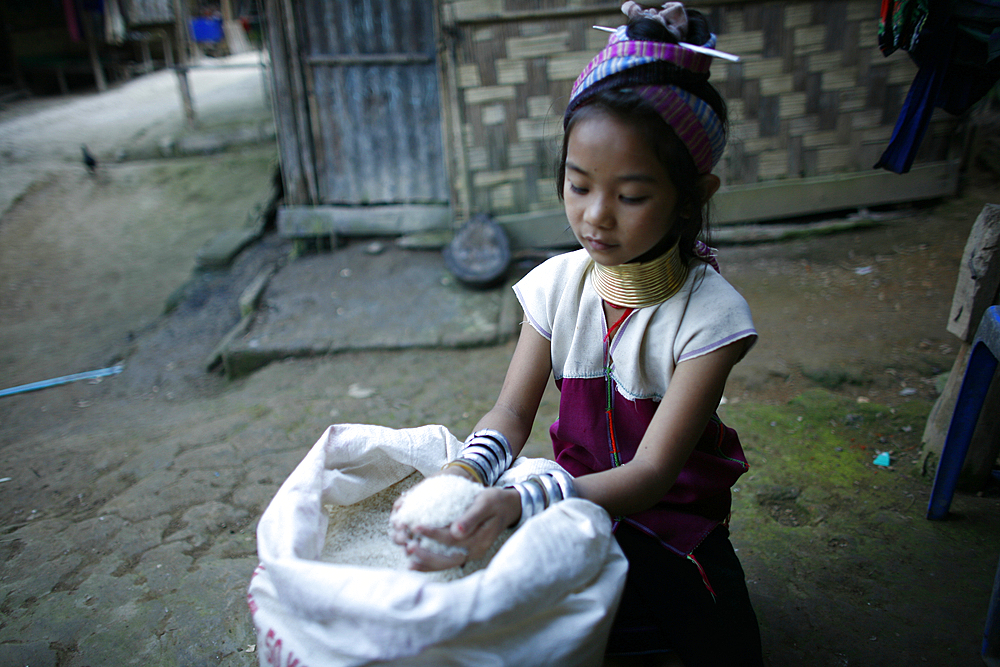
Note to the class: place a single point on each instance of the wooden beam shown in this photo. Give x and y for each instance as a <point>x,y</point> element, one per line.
<point>770,201</point>
<point>775,200</point>
<point>371,59</point>
<point>317,221</point>
<point>459,13</point>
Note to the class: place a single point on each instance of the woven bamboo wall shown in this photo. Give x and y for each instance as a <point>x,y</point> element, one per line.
<point>813,96</point>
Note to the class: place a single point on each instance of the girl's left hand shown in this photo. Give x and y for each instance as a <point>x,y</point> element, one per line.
<point>474,532</point>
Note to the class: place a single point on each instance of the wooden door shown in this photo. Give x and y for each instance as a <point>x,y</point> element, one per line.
<point>371,69</point>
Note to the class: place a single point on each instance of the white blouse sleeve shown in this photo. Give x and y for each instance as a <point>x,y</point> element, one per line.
<point>716,315</point>
<point>549,287</point>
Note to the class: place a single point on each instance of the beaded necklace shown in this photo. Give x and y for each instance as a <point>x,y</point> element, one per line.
<point>609,387</point>
<point>631,286</point>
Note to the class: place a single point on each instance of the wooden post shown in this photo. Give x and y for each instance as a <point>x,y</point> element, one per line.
<point>147,58</point>
<point>296,192</point>
<point>977,289</point>
<point>236,37</point>
<point>185,88</point>
<point>182,30</point>
<point>168,49</point>
<point>300,105</point>
<point>95,59</point>
<point>181,27</point>
<point>460,178</point>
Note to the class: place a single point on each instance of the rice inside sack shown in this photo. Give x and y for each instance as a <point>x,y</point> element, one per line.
<point>356,534</point>
<point>359,535</point>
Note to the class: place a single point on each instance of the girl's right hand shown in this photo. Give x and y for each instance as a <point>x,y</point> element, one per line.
<point>474,532</point>
<point>405,535</point>
<point>495,509</point>
<point>402,534</point>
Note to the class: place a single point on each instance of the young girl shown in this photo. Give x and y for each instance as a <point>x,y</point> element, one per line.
<point>640,332</point>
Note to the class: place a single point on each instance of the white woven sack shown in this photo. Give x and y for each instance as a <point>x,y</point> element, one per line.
<point>548,597</point>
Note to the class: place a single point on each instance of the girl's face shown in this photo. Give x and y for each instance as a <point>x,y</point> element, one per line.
<point>619,200</point>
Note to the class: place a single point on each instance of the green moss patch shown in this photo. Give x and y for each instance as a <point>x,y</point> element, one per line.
<point>822,438</point>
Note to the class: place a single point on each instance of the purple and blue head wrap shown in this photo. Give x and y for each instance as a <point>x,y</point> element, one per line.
<point>621,64</point>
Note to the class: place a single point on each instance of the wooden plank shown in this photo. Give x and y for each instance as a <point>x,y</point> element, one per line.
<point>182,32</point>
<point>371,59</point>
<point>296,191</point>
<point>541,229</point>
<point>775,200</point>
<point>299,101</point>
<point>474,13</point>
<point>312,221</point>
<point>806,196</point>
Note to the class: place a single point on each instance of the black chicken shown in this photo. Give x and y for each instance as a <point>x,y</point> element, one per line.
<point>89,161</point>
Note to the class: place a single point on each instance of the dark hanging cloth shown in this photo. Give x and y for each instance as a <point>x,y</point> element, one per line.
<point>72,21</point>
<point>955,44</point>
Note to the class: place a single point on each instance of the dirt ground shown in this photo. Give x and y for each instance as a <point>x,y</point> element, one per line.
<point>842,566</point>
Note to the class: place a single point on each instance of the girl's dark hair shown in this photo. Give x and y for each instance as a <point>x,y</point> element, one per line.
<point>648,30</point>
<point>615,97</point>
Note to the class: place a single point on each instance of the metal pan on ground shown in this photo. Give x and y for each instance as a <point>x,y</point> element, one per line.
<point>479,256</point>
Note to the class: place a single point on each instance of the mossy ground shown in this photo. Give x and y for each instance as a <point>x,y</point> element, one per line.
<point>842,563</point>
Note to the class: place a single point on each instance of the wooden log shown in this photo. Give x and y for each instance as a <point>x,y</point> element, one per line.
<point>978,276</point>
<point>976,289</point>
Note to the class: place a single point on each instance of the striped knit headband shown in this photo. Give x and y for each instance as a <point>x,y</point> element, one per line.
<point>619,66</point>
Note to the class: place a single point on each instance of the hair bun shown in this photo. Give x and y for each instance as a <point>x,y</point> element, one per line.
<point>670,15</point>
<point>699,30</point>
<point>650,25</point>
<point>649,29</point>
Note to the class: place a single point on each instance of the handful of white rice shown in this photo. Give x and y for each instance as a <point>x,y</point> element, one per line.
<point>436,503</point>
<point>357,534</point>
